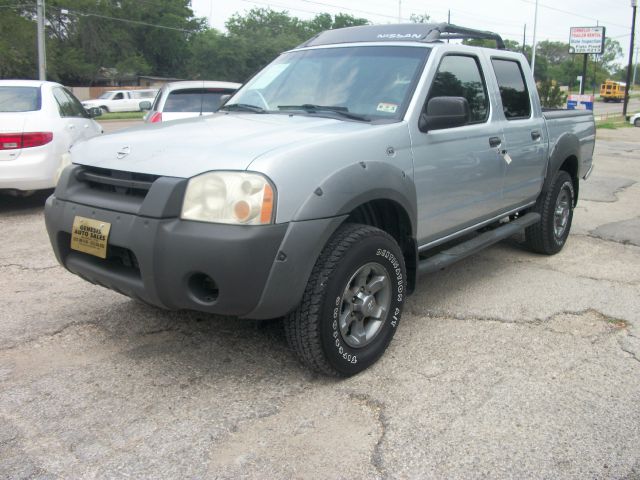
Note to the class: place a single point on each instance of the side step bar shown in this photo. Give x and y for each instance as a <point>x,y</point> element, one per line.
<point>464,249</point>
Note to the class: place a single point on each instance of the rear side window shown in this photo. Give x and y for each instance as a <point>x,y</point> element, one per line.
<point>195,100</point>
<point>20,99</point>
<point>513,89</point>
<point>460,76</point>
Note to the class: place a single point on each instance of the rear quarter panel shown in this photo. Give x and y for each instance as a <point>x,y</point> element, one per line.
<point>571,130</point>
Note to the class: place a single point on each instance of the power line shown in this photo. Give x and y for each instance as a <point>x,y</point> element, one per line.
<point>125,20</point>
<point>574,14</point>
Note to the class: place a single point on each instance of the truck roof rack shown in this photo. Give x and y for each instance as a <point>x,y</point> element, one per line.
<point>416,32</point>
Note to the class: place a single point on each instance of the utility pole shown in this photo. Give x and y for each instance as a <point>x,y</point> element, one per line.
<point>399,11</point>
<point>634,6</point>
<point>42,53</point>
<point>534,46</point>
<point>524,38</point>
<point>448,20</point>
<point>635,69</point>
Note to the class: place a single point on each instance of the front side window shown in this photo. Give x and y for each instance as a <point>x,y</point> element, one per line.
<point>68,105</point>
<point>118,96</point>
<point>20,99</point>
<point>459,76</point>
<point>513,89</point>
<point>372,82</point>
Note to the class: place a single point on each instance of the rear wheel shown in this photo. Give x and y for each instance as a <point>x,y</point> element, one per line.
<point>636,122</point>
<point>352,304</point>
<point>104,110</point>
<point>556,210</point>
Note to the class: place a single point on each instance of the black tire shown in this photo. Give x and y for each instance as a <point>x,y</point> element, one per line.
<point>636,122</point>
<point>104,110</point>
<point>314,329</point>
<point>544,237</point>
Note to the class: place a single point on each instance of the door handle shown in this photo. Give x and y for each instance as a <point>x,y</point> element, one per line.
<point>494,142</point>
<point>535,135</point>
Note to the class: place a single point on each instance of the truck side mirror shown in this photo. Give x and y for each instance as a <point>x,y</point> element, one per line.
<point>94,112</point>
<point>224,98</point>
<point>444,112</point>
<point>145,105</point>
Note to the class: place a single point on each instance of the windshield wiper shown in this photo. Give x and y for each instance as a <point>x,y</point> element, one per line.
<point>311,108</point>
<point>244,107</point>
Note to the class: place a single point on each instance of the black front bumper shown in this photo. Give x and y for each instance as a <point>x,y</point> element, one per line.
<point>171,263</point>
<point>248,271</point>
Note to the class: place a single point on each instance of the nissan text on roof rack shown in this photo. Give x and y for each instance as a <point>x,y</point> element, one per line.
<point>325,187</point>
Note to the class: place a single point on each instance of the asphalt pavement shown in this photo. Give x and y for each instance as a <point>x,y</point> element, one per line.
<point>505,365</point>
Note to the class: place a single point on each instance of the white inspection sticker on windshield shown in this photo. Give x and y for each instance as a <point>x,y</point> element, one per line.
<point>387,107</point>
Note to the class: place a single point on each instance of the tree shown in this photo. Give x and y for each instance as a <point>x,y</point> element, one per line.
<point>550,94</point>
<point>255,39</point>
<point>17,45</point>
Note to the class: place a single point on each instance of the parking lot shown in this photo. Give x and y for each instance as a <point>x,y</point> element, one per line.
<point>506,365</point>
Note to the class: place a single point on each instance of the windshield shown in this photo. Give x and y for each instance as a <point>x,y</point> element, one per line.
<point>364,82</point>
<point>19,99</point>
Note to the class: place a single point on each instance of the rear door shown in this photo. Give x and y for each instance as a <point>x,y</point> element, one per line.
<point>525,149</point>
<point>458,171</point>
<point>72,121</point>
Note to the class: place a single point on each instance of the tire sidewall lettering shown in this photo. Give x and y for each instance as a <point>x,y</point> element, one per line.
<point>394,266</point>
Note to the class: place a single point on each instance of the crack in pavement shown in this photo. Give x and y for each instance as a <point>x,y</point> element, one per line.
<point>547,268</point>
<point>633,354</point>
<point>378,409</point>
<point>31,269</point>
<point>537,322</point>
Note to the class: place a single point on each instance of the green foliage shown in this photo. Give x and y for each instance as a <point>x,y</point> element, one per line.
<point>17,46</point>
<point>255,39</point>
<point>550,94</point>
<point>419,18</point>
<point>87,40</point>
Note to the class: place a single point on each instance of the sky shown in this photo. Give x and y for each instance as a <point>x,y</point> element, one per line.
<point>506,17</point>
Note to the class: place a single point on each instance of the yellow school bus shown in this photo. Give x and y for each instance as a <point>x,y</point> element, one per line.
<point>612,91</point>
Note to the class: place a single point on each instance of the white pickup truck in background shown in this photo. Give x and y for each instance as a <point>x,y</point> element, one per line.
<point>121,100</point>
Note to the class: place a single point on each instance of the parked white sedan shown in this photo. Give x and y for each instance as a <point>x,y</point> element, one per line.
<point>39,122</point>
<point>186,99</point>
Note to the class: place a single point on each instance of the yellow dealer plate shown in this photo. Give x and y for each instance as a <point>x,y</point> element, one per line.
<point>90,236</point>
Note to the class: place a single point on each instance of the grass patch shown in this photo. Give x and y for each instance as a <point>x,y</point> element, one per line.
<point>121,116</point>
<point>612,124</point>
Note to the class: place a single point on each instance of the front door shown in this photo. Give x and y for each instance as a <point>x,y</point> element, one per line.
<point>458,171</point>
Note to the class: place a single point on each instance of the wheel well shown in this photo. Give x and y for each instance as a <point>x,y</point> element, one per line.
<point>390,217</point>
<point>570,165</point>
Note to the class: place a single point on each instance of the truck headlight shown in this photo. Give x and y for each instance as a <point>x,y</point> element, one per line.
<point>229,197</point>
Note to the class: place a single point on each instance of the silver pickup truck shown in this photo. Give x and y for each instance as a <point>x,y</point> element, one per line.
<point>326,186</point>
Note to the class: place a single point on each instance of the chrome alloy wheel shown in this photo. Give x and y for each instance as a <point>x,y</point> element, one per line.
<point>561,212</point>
<point>365,304</point>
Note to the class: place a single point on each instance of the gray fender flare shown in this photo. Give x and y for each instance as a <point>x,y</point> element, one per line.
<point>318,217</point>
<point>566,146</point>
<point>356,184</point>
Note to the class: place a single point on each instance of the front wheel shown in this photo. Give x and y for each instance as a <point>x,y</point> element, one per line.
<point>636,122</point>
<point>555,207</point>
<point>352,304</point>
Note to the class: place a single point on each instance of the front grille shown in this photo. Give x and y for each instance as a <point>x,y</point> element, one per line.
<point>118,258</point>
<point>116,181</point>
